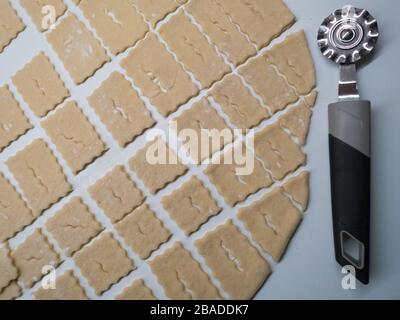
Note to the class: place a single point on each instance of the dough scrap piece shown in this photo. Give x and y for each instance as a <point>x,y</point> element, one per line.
<point>13,122</point>
<point>67,288</point>
<point>103,262</point>
<point>74,136</point>
<point>8,270</point>
<point>298,188</point>
<point>271,221</point>
<point>193,49</point>
<point>159,76</point>
<point>116,194</point>
<point>275,148</point>
<point>143,231</point>
<point>181,276</point>
<point>12,292</point>
<point>32,255</point>
<point>137,291</point>
<point>80,52</point>
<point>39,175</point>
<point>119,107</point>
<point>242,108</point>
<point>297,121</point>
<point>11,24</point>
<point>157,176</point>
<point>40,85</point>
<point>191,205</point>
<point>116,22</point>
<point>73,226</point>
<point>14,214</point>
<point>260,20</point>
<point>234,261</point>
<point>232,186</point>
<point>201,116</point>
<point>156,10</point>
<point>224,33</point>
<point>34,9</point>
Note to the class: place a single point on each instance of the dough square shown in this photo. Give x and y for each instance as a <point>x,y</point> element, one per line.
<point>14,214</point>
<point>39,175</point>
<point>73,226</point>
<point>271,221</point>
<point>260,20</point>
<point>40,85</point>
<point>32,255</point>
<point>275,148</point>
<point>116,194</point>
<point>13,122</point>
<point>143,231</point>
<point>159,76</point>
<point>103,263</point>
<point>298,189</point>
<point>34,9</point>
<point>80,52</point>
<point>67,289</point>
<point>191,205</point>
<point>224,33</point>
<point>137,291</point>
<point>11,24</point>
<point>181,276</point>
<point>242,108</point>
<point>12,292</point>
<point>74,136</point>
<point>192,48</point>
<point>233,187</point>
<point>119,107</point>
<point>234,261</point>
<point>8,270</point>
<point>116,22</point>
<point>156,10</point>
<point>157,176</point>
<point>200,117</point>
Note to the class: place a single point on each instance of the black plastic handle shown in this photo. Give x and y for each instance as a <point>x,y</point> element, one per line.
<point>349,144</point>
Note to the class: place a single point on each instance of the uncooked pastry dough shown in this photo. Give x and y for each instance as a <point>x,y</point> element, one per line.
<point>11,24</point>
<point>298,189</point>
<point>137,291</point>
<point>13,291</point>
<point>8,270</point>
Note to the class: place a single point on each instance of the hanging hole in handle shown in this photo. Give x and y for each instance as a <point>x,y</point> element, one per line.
<point>352,249</point>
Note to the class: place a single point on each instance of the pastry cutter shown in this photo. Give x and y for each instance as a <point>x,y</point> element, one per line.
<point>347,37</point>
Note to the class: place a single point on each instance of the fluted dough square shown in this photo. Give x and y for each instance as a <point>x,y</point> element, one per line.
<point>158,75</point>
<point>35,8</point>
<point>40,85</point>
<point>103,262</point>
<point>14,214</point>
<point>67,288</point>
<point>157,176</point>
<point>137,291</point>
<point>200,117</point>
<point>222,30</point>
<point>271,222</point>
<point>13,122</point>
<point>73,226</point>
<point>120,109</point>
<point>74,136</point>
<point>11,24</point>
<point>192,48</point>
<point>242,108</point>
<point>234,261</point>
<point>143,231</point>
<point>8,270</point>
<point>78,49</point>
<point>32,255</point>
<point>117,22</point>
<point>13,291</point>
<point>39,175</point>
<point>116,194</point>
<point>181,276</point>
<point>156,10</point>
<point>191,205</point>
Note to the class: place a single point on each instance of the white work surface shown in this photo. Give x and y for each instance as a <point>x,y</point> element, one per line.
<point>308,269</point>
